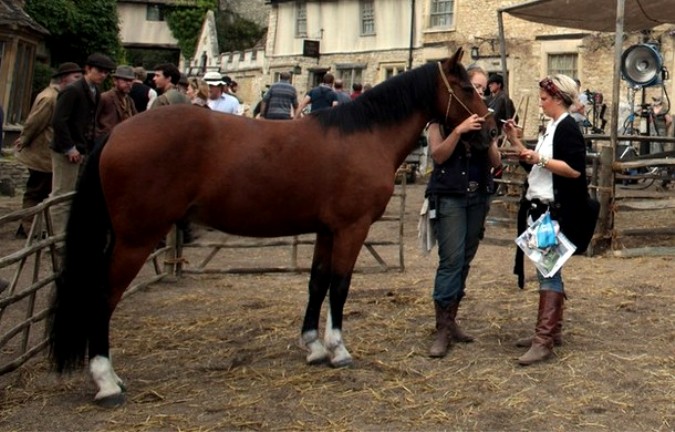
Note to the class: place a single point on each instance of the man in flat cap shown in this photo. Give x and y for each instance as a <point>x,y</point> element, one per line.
<point>501,104</point>
<point>74,125</point>
<point>32,146</point>
<point>116,104</point>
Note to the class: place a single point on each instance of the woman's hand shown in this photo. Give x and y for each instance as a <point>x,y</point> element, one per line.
<point>472,123</point>
<point>529,156</point>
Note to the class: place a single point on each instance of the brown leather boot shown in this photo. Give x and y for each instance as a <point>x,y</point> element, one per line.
<point>440,346</point>
<point>550,305</point>
<point>456,332</point>
<point>526,342</point>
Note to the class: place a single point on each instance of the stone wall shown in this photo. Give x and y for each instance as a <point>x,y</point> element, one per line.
<point>13,175</point>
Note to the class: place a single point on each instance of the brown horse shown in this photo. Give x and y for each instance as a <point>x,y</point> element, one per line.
<point>330,173</point>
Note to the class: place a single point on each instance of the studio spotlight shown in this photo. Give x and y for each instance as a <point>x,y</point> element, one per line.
<point>642,65</point>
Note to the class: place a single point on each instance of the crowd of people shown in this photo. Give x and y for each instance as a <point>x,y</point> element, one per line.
<point>72,115</point>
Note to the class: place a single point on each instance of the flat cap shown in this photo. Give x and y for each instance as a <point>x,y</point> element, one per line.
<point>101,61</point>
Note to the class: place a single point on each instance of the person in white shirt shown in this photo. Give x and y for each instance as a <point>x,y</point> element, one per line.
<point>219,100</point>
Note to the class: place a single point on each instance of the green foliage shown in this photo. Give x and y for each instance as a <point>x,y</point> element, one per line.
<point>42,75</point>
<point>78,28</point>
<point>185,21</point>
<point>236,33</point>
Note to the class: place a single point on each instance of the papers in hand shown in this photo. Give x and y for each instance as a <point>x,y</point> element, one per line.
<point>425,233</point>
<point>547,260</point>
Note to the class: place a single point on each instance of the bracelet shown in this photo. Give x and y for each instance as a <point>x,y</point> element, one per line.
<point>543,161</point>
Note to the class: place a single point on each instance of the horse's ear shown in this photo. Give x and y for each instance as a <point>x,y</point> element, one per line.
<point>456,58</point>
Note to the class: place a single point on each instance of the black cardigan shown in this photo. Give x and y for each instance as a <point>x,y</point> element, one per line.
<point>571,199</point>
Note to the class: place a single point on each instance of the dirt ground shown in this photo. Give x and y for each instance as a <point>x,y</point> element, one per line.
<point>219,352</point>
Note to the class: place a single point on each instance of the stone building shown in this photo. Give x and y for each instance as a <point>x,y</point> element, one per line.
<point>20,38</point>
<point>370,40</point>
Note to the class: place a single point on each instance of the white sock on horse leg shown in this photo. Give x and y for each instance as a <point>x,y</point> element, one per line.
<point>104,377</point>
<point>317,352</point>
<point>332,339</point>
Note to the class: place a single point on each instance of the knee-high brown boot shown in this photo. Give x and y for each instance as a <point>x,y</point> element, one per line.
<point>550,308</point>
<point>456,332</point>
<point>526,342</point>
<point>440,346</point>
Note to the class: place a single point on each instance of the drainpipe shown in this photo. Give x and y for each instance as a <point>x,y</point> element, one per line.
<point>412,34</point>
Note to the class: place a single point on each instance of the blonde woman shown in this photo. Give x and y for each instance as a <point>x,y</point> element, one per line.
<point>556,182</point>
<point>198,92</point>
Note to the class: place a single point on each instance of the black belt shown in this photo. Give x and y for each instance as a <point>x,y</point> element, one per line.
<point>473,186</point>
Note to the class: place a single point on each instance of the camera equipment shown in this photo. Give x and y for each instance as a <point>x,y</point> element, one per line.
<point>642,65</point>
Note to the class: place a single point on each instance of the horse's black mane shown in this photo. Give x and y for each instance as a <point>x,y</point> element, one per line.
<point>390,102</point>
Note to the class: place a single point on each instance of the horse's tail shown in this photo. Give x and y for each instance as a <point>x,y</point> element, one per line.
<point>79,306</point>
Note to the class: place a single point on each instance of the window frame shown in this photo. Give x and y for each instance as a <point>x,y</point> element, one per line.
<point>551,69</point>
<point>435,16</point>
<point>367,14</point>
<point>389,70</point>
<point>154,13</point>
<point>300,19</point>
<point>349,74</point>
<point>20,93</point>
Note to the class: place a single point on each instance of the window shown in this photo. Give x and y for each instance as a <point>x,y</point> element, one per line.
<point>367,18</point>
<point>301,19</point>
<point>350,75</point>
<point>154,12</point>
<point>563,64</point>
<point>441,13</point>
<point>19,99</point>
<point>390,70</point>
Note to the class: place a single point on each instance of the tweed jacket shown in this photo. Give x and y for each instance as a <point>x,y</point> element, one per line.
<point>113,108</point>
<point>74,118</point>
<point>38,132</point>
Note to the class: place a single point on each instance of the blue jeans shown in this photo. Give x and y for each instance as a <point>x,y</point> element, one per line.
<point>458,227</point>
<point>553,283</point>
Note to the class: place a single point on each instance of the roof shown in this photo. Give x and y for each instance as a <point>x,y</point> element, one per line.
<point>12,14</point>
<point>595,15</point>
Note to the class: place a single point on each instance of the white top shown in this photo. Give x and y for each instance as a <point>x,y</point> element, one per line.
<point>225,103</point>
<point>540,179</point>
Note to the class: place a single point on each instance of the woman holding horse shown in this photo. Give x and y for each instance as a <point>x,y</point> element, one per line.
<point>459,192</point>
<point>556,183</point>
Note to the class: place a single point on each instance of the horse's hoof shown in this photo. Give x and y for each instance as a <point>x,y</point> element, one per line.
<point>341,357</point>
<point>318,354</point>
<point>113,401</point>
<point>342,363</point>
<point>317,358</point>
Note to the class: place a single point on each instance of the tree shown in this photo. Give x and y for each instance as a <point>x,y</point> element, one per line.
<point>185,21</point>
<point>236,33</point>
<point>78,28</point>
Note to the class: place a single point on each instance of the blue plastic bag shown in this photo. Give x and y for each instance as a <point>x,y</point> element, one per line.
<point>546,232</point>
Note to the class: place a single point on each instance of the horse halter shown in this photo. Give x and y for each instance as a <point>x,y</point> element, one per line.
<point>451,94</point>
